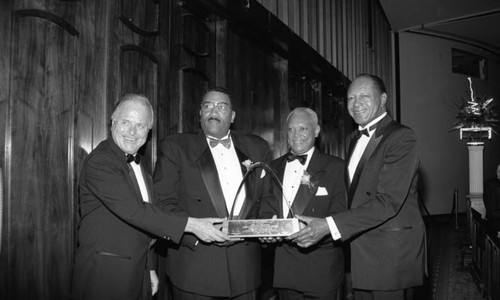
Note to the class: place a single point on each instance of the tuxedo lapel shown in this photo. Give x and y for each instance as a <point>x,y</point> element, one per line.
<point>302,198</point>
<point>373,143</point>
<point>132,176</point>
<point>306,192</point>
<point>247,185</point>
<point>278,193</point>
<point>352,145</point>
<point>208,171</point>
<point>149,183</point>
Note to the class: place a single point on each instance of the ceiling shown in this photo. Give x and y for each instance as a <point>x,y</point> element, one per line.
<point>475,22</point>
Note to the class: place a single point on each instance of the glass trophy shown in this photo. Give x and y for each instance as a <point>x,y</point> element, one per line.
<point>255,228</point>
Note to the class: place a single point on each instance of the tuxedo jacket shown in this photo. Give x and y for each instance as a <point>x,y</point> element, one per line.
<point>319,268</point>
<point>115,228</point>
<point>384,222</point>
<point>186,182</point>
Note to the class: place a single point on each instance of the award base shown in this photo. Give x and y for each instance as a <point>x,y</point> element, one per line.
<point>260,228</point>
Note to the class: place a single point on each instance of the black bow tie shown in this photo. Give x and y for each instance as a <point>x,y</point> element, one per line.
<point>301,158</point>
<point>214,142</point>
<point>133,158</point>
<point>366,131</point>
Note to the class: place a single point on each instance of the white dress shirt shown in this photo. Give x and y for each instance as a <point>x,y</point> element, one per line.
<point>360,147</point>
<point>230,175</point>
<point>294,171</point>
<point>357,153</point>
<point>140,181</point>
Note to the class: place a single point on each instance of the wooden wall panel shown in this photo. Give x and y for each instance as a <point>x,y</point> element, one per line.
<point>41,172</point>
<point>92,112</point>
<point>193,63</point>
<point>65,65</point>
<point>357,31</point>
<point>253,80</point>
<point>5,33</point>
<point>135,60</point>
<point>294,16</point>
<point>139,75</point>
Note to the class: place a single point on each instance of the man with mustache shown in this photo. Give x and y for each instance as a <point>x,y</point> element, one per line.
<point>383,224</point>
<point>198,175</point>
<point>117,220</point>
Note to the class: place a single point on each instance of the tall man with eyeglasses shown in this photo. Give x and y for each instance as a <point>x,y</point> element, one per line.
<point>198,174</point>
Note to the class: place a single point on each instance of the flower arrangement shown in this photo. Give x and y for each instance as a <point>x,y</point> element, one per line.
<point>476,112</point>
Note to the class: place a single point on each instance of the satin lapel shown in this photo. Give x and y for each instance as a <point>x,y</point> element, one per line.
<point>352,145</point>
<point>131,173</point>
<point>248,185</point>
<point>302,198</point>
<point>208,171</point>
<point>306,193</point>
<point>149,183</point>
<point>278,192</point>
<point>372,145</point>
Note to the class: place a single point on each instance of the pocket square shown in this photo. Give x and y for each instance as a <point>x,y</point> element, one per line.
<point>321,191</point>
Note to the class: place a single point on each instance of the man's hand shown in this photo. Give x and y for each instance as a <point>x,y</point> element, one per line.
<point>316,229</point>
<point>154,282</point>
<point>229,243</point>
<point>205,230</point>
<point>272,239</point>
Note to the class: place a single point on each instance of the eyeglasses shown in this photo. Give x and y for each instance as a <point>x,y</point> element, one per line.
<point>222,106</point>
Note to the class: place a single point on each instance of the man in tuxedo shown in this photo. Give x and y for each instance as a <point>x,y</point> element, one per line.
<point>117,220</point>
<point>198,175</point>
<point>492,201</point>
<point>383,223</point>
<point>313,185</point>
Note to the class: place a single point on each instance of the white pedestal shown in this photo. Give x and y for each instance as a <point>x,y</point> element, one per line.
<point>476,176</point>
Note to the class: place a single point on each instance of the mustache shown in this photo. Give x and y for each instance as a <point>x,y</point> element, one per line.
<point>213,119</point>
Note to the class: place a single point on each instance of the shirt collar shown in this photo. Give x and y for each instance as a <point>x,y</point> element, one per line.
<point>374,121</point>
<point>222,138</point>
<point>309,154</point>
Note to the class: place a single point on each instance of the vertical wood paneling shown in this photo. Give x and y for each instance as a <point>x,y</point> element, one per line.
<point>255,81</point>
<point>221,52</point>
<point>283,14</point>
<point>294,16</point>
<point>139,75</point>
<point>41,195</point>
<point>345,39</point>
<point>321,28</point>
<point>92,118</point>
<point>5,32</point>
<point>281,110</point>
<point>196,63</point>
<point>134,58</point>
<point>328,30</point>
<point>312,20</point>
<point>304,21</point>
<point>347,33</point>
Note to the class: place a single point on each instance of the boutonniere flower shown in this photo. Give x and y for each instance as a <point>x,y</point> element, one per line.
<point>248,164</point>
<point>306,179</point>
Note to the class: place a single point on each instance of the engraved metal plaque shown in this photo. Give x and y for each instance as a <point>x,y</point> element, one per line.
<point>260,227</point>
